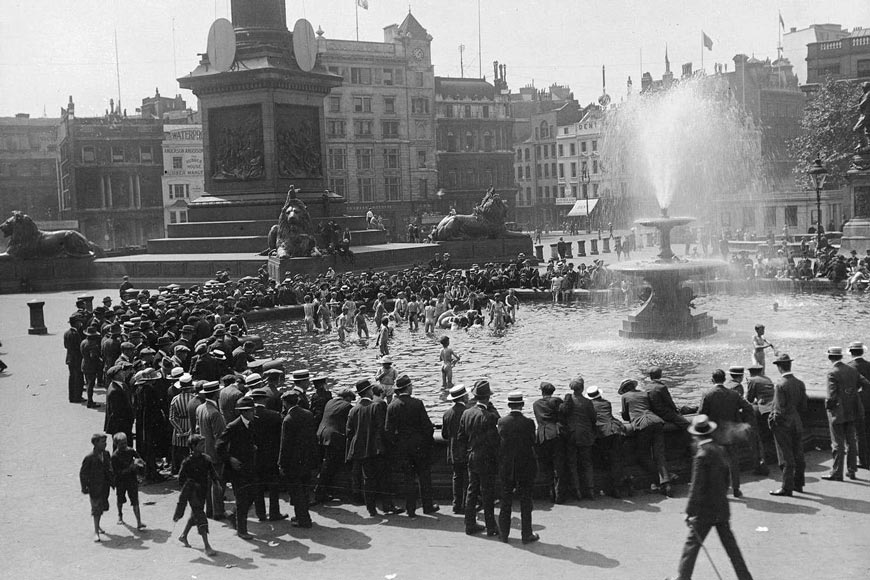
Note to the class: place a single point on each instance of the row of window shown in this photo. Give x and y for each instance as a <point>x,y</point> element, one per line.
<point>467,111</point>
<point>547,151</point>
<point>363,128</point>
<point>378,76</point>
<point>561,191</point>
<point>363,104</point>
<point>366,187</point>
<point>28,168</point>
<point>544,170</point>
<point>178,216</point>
<point>119,154</point>
<point>337,158</point>
<point>471,178</point>
<point>179,191</point>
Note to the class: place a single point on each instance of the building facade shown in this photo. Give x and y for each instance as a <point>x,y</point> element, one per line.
<point>795,41</point>
<point>183,175</point>
<point>380,124</point>
<point>28,167</point>
<point>845,59</point>
<point>111,170</point>
<point>474,141</point>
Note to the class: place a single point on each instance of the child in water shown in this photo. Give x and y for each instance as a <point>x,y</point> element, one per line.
<point>308,311</point>
<point>361,326</point>
<point>413,313</point>
<point>384,336</point>
<point>448,360</point>
<point>341,324</point>
<point>429,317</point>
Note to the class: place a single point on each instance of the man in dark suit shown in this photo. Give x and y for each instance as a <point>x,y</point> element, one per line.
<point>333,442</point>
<point>266,428</point>
<point>789,403</point>
<point>298,454</point>
<point>610,433</point>
<point>661,402</point>
<point>237,451</point>
<point>579,417</point>
<point>72,342</point>
<point>551,443</point>
<point>735,379</point>
<point>457,455</point>
<point>708,504</point>
<point>517,468</point>
<point>731,411</point>
<point>119,406</point>
<point>759,393</point>
<point>860,364</point>
<point>478,432</point>
<point>844,406</point>
<point>410,430</point>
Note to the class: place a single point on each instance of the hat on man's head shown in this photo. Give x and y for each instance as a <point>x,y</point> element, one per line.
<point>253,380</point>
<point>245,404</point>
<point>735,370</point>
<point>98,437</point>
<point>456,392</point>
<point>218,354</point>
<point>164,341</point>
<point>515,398</point>
<point>856,346</point>
<point>146,375</point>
<point>835,351</point>
<point>181,348</point>
<point>481,389</point>
<point>363,386</point>
<point>758,367</point>
<point>301,375</point>
<point>783,358</point>
<point>184,382</point>
<point>176,372</point>
<point>210,388</point>
<point>259,393</point>
<point>147,351</point>
<point>403,383</point>
<point>702,425</point>
<point>187,328</point>
<point>547,388</point>
<point>386,360</point>
<point>626,385</point>
<point>593,392</point>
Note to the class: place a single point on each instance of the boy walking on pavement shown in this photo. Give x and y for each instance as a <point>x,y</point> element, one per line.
<point>125,461</point>
<point>96,478</point>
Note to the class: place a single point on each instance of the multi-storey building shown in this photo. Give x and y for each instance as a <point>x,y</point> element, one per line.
<point>794,44</point>
<point>183,176</point>
<point>581,175</point>
<point>845,59</point>
<point>111,170</point>
<point>474,140</point>
<point>380,124</point>
<point>28,167</point>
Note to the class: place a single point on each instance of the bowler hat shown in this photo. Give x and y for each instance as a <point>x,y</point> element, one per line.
<point>259,393</point>
<point>735,370</point>
<point>481,389</point>
<point>164,341</point>
<point>273,373</point>
<point>627,385</point>
<point>835,351</point>
<point>783,358</point>
<point>363,386</point>
<point>245,404</point>
<point>456,393</point>
<point>515,398</point>
<point>403,383</point>
<point>210,387</point>
<point>702,425</point>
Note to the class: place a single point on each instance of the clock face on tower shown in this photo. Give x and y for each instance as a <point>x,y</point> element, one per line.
<point>418,54</point>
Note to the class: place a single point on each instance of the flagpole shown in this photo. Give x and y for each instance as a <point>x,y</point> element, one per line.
<point>702,50</point>
<point>356,6</point>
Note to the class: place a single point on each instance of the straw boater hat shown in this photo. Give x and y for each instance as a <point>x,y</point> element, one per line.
<point>210,388</point>
<point>456,393</point>
<point>386,360</point>
<point>593,393</point>
<point>515,398</point>
<point>253,380</point>
<point>856,346</point>
<point>735,370</point>
<point>184,382</point>
<point>835,351</point>
<point>301,375</point>
<point>702,425</point>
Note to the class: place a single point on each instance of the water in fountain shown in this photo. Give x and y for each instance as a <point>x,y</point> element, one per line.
<point>686,146</point>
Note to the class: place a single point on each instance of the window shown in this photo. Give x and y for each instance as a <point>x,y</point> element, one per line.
<point>584,168</point>
<point>545,130</point>
<point>391,158</point>
<point>537,151</point>
<point>117,154</point>
<point>562,170</point>
<point>390,129</point>
<point>574,191</point>
<point>362,128</point>
<point>451,142</point>
<point>448,111</point>
<point>546,191</point>
<point>337,159</point>
<point>585,191</point>
<point>546,152</point>
<point>390,105</point>
<point>863,67</point>
<point>469,141</point>
<point>179,191</point>
<point>363,159</point>
<point>336,70</point>
<point>572,147</point>
<point>547,170</point>
<point>360,76</point>
<point>554,169</point>
<point>770,217</point>
<point>594,190</point>
<point>529,196</point>
<point>486,111</point>
<point>388,77</point>
<point>364,184</point>
<point>487,178</point>
<point>145,155</point>
<point>334,104</point>
<point>594,166</point>
<point>335,128</point>
<point>469,178</point>
<point>595,145</point>
<point>552,150</point>
<point>89,154</point>
<point>421,159</point>
<point>791,215</point>
<point>527,154</point>
<point>466,112</point>
<point>538,170</point>
<point>573,169</point>
<point>487,141</point>
<point>418,79</point>
<point>391,188</point>
<point>748,217</point>
<point>362,104</point>
<point>519,173</point>
<point>583,147</point>
<point>177,162</point>
<point>540,192</point>
<point>178,216</point>
<point>419,106</point>
<point>561,150</point>
<point>561,191</point>
<point>519,154</point>
<point>338,185</point>
<point>452,179</point>
<point>528,172</point>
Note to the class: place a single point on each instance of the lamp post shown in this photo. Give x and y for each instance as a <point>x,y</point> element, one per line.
<point>818,174</point>
<point>585,179</point>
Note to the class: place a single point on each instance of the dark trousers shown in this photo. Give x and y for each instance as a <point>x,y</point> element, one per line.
<point>76,383</point>
<point>523,489</point>
<point>214,505</point>
<point>843,447</point>
<point>481,489</point>
<point>552,465</point>
<point>460,485</point>
<point>697,535</point>
<point>763,438</point>
<point>245,490</point>
<point>863,432</point>
<point>650,451</point>
<point>90,383</point>
<point>790,455</point>
<point>333,462</point>
<point>733,454</point>
<point>610,448</point>
<point>267,482</point>
<point>178,454</point>
<point>373,482</point>
<point>416,470</point>
<point>579,458</point>
<point>298,483</point>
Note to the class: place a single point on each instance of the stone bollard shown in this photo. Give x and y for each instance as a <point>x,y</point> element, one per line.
<point>539,253</point>
<point>554,251</point>
<point>37,318</point>
<point>88,300</point>
<point>594,250</point>
<point>606,249</point>
<point>581,248</point>
<point>649,239</point>
<point>569,253</point>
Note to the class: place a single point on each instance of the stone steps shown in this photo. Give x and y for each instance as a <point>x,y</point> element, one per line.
<point>217,244</point>
<point>250,227</point>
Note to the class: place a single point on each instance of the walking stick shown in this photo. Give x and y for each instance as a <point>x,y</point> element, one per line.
<point>703,547</point>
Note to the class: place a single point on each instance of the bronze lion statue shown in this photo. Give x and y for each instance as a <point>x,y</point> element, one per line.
<point>486,222</point>
<point>28,242</point>
<point>294,234</point>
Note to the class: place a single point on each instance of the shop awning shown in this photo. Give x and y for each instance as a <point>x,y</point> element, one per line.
<point>579,209</point>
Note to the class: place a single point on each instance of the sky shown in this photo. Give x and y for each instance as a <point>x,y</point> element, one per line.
<point>51,49</point>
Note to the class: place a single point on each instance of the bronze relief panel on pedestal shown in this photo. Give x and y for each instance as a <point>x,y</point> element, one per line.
<point>236,143</point>
<point>297,137</point>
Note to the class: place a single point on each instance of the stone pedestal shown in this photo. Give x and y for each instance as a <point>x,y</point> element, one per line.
<point>606,249</point>
<point>37,318</point>
<point>594,250</point>
<point>856,232</point>
<point>539,252</point>
<point>581,248</point>
<point>569,253</point>
<point>554,251</point>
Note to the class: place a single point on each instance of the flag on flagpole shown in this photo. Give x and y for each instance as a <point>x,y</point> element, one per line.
<point>781,21</point>
<point>364,4</point>
<point>708,42</point>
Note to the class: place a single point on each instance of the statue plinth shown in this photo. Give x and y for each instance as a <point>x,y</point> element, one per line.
<point>856,232</point>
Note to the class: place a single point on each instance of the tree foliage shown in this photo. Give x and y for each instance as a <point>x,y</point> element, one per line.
<point>826,131</point>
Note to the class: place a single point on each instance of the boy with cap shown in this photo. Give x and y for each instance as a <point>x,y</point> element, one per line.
<point>708,504</point>
<point>125,463</point>
<point>457,454</point>
<point>517,468</point>
<point>96,477</point>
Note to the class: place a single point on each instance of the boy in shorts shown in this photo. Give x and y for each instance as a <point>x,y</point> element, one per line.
<point>194,480</point>
<point>125,462</point>
<point>96,478</point>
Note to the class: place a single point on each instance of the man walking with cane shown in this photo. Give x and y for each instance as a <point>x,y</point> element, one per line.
<point>708,503</point>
